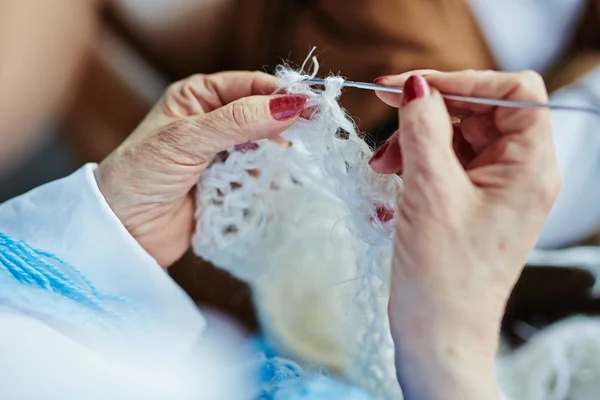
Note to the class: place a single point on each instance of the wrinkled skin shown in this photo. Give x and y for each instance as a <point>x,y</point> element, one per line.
<point>476,197</point>
<point>147,181</point>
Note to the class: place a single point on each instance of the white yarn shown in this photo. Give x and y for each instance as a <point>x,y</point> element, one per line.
<point>300,225</point>
<point>558,363</point>
<point>305,234</point>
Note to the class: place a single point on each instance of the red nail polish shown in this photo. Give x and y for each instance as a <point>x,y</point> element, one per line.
<point>286,107</point>
<point>381,79</point>
<point>415,87</point>
<point>380,151</point>
<point>384,214</point>
<point>248,146</point>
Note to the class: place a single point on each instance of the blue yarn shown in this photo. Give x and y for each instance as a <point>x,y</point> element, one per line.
<point>282,379</point>
<point>30,268</point>
<point>37,269</point>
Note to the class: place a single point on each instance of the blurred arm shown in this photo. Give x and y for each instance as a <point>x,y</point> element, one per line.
<point>43,46</point>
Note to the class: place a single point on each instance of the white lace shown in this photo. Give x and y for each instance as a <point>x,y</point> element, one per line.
<point>300,225</point>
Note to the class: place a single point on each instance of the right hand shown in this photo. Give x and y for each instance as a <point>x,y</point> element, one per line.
<point>475,198</point>
<point>147,181</point>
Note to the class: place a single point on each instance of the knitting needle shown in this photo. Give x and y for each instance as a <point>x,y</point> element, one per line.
<point>468,99</point>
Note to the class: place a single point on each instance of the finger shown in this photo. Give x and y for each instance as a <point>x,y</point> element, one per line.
<point>426,135</point>
<point>525,86</point>
<point>201,94</point>
<point>394,99</point>
<point>387,159</point>
<point>462,148</point>
<point>392,162</point>
<point>246,120</point>
<point>479,131</point>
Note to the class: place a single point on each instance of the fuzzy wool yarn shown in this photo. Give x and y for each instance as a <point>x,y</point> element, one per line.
<point>309,226</point>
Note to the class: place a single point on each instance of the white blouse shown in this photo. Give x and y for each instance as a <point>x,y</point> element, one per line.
<point>42,360</point>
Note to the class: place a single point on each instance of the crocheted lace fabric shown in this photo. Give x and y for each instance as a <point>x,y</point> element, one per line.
<point>309,227</point>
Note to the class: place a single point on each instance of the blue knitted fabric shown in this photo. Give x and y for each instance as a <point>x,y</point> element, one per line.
<point>282,379</point>
<point>37,282</point>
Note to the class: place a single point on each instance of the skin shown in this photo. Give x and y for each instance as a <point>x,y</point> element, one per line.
<point>147,180</point>
<point>468,219</point>
<point>43,49</point>
<point>465,226</point>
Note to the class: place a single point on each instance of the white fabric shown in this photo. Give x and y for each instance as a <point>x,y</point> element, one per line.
<point>71,219</point>
<point>560,362</point>
<point>305,234</point>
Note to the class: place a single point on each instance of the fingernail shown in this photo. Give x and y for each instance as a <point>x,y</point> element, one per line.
<point>381,79</point>
<point>415,87</point>
<point>286,107</point>
<point>380,151</point>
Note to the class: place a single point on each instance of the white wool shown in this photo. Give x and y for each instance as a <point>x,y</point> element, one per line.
<point>300,225</point>
<point>560,362</point>
<point>306,236</point>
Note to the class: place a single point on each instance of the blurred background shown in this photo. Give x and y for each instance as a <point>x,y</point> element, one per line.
<point>76,76</point>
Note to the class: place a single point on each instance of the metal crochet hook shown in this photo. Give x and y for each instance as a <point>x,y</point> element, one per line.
<point>468,99</point>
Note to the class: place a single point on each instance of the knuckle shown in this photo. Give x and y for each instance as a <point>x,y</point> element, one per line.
<point>190,81</point>
<point>176,131</point>
<point>516,151</point>
<point>532,85</point>
<point>543,180</point>
<point>181,99</point>
<point>178,143</point>
<point>550,187</point>
<point>173,88</point>
<point>546,193</point>
<point>242,114</point>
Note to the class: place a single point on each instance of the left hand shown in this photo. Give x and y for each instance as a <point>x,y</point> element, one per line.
<point>147,181</point>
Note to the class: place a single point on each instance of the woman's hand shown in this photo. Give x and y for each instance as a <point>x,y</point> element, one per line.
<point>147,181</point>
<point>477,193</point>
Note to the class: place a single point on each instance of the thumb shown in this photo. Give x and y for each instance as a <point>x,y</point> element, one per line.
<point>248,119</point>
<point>425,134</point>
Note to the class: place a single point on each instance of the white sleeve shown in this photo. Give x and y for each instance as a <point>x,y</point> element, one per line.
<point>39,362</point>
<point>576,214</point>
<point>71,219</point>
